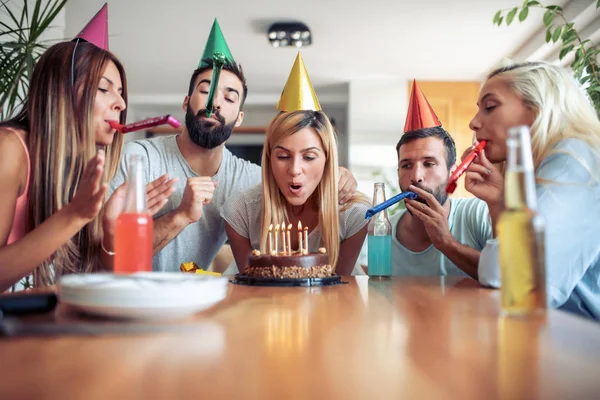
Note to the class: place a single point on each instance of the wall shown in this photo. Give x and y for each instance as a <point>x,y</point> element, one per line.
<point>377,112</point>
<point>255,114</point>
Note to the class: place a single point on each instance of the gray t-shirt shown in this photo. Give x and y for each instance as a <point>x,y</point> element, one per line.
<point>469,223</point>
<point>243,212</point>
<point>200,241</point>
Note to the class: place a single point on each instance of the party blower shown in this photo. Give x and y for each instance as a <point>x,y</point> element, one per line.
<point>144,124</point>
<point>451,187</point>
<point>389,202</point>
<point>219,61</point>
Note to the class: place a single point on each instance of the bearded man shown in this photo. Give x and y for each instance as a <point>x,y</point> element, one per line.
<point>434,235</point>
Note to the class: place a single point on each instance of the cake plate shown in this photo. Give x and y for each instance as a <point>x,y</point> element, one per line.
<point>241,279</point>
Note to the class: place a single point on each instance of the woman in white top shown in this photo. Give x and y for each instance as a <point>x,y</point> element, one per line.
<point>299,183</point>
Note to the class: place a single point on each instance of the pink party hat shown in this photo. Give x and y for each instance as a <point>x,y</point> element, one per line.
<point>96,31</point>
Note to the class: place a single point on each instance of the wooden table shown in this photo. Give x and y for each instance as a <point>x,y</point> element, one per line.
<point>409,338</point>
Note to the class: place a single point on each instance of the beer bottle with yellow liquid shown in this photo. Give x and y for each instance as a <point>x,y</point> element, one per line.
<point>521,231</point>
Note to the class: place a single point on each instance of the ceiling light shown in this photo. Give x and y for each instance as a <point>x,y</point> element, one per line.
<point>281,34</point>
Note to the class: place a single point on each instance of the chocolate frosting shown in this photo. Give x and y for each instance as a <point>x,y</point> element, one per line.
<point>305,261</point>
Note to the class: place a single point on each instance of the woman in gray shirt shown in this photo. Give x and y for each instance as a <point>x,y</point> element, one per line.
<point>299,184</point>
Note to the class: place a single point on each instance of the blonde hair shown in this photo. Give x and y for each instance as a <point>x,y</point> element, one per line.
<point>325,197</point>
<point>560,104</point>
<point>58,118</point>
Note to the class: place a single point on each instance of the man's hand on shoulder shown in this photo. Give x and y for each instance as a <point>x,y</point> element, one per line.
<point>347,186</point>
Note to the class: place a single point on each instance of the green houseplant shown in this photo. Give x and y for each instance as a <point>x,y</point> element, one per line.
<point>560,30</point>
<point>21,45</point>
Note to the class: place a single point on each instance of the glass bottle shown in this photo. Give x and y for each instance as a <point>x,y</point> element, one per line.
<point>521,231</point>
<point>379,238</point>
<point>133,235</point>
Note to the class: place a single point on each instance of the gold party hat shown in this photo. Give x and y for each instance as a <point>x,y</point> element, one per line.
<point>298,93</point>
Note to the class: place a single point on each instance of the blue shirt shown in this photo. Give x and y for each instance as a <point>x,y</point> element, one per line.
<point>568,195</point>
<point>469,224</point>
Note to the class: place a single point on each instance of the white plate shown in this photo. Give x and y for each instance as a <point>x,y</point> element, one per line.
<point>143,295</point>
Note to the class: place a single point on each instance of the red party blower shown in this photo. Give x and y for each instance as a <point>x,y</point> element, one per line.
<point>451,187</point>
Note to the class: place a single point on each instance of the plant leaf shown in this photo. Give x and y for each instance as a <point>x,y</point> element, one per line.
<point>555,8</point>
<point>511,15</point>
<point>12,45</point>
<point>11,15</point>
<point>564,51</point>
<point>549,34</point>
<point>30,64</point>
<point>52,14</point>
<point>523,14</point>
<point>556,34</point>
<point>34,18</point>
<point>497,17</point>
<point>18,31</point>
<point>26,13</point>
<point>598,4</point>
<point>548,17</point>
<point>568,36</point>
<point>531,3</point>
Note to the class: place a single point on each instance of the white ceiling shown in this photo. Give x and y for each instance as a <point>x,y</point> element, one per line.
<point>161,41</point>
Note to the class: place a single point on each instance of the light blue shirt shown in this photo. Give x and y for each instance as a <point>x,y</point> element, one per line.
<point>469,223</point>
<point>569,199</point>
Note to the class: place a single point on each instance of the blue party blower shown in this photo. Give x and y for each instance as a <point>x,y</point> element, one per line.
<point>389,202</point>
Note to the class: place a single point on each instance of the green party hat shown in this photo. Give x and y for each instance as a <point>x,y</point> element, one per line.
<point>215,44</point>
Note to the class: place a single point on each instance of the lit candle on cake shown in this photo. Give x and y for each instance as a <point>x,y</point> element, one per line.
<point>300,247</point>
<point>305,240</point>
<point>271,239</point>
<point>283,238</point>
<point>289,237</point>
<point>276,239</point>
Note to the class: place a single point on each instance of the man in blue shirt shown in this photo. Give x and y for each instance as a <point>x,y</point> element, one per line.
<point>434,235</point>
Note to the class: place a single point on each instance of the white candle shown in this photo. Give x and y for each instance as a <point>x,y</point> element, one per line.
<point>270,244</point>
<point>300,247</point>
<point>276,239</point>
<point>306,240</point>
<point>289,238</point>
<point>283,238</point>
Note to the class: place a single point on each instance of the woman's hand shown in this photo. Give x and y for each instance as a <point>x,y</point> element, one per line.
<point>112,209</point>
<point>157,195</point>
<point>87,202</point>
<point>484,181</point>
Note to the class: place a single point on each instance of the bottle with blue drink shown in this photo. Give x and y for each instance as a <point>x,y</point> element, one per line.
<point>380,238</point>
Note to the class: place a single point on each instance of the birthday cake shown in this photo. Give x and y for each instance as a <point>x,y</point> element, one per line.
<point>286,265</point>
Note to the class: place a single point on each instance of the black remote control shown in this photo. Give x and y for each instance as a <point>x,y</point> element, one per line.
<point>18,304</point>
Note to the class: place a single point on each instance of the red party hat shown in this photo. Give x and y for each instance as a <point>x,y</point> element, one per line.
<point>420,113</point>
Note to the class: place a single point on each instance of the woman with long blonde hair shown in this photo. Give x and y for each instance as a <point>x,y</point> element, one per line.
<point>55,156</point>
<point>299,184</point>
<point>565,141</point>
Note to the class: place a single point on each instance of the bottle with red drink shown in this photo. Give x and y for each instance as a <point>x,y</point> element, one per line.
<point>133,235</point>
